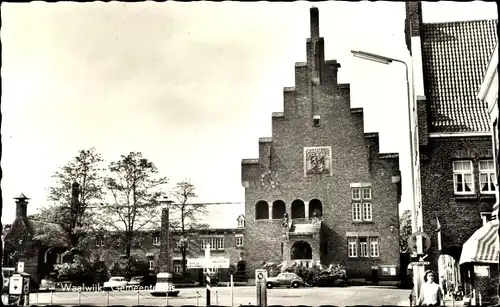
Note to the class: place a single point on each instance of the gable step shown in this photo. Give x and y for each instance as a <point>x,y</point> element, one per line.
<point>289,89</point>
<point>249,161</point>
<point>388,155</point>
<point>278,114</point>
<point>371,134</point>
<point>357,110</point>
<point>266,140</point>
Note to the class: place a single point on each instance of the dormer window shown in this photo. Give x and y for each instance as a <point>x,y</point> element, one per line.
<point>241,221</point>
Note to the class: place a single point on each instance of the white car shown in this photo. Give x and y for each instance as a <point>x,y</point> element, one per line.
<point>115,283</point>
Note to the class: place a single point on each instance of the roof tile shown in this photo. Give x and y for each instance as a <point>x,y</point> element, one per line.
<point>455,57</point>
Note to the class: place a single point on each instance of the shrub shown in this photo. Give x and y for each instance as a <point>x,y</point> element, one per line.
<point>128,267</point>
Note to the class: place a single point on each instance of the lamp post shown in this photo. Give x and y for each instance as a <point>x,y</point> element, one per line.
<point>165,255</point>
<point>415,226</point>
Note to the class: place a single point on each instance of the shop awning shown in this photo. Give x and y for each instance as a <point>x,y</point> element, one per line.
<point>482,246</point>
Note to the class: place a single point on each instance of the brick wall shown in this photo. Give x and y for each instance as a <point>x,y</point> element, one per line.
<point>459,216</point>
<point>355,159</point>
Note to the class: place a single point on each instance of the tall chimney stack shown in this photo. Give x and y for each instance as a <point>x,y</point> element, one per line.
<point>21,206</point>
<point>413,22</point>
<point>314,13</point>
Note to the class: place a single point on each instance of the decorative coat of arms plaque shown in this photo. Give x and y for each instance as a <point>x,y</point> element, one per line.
<point>318,160</point>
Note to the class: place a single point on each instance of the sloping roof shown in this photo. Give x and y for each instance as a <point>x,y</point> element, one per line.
<point>455,56</point>
<point>218,215</point>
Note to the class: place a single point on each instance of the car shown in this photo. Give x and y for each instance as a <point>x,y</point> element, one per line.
<point>286,280</point>
<point>164,286</point>
<point>137,281</point>
<point>115,283</point>
<point>47,285</point>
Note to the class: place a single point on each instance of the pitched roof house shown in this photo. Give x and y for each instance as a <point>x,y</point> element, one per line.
<point>26,242</point>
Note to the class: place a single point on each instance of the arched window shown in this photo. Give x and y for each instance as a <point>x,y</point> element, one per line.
<point>278,209</point>
<point>315,206</point>
<point>261,210</point>
<point>298,209</point>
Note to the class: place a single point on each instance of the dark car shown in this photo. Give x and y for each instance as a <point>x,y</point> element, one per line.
<point>285,280</point>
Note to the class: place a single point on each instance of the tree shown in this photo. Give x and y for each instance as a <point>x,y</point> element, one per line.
<point>404,229</point>
<point>134,187</point>
<point>186,227</point>
<point>78,187</point>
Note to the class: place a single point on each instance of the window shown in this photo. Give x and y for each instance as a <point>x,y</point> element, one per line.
<point>352,248</point>
<point>215,243</point>
<point>156,240</point>
<point>487,178</point>
<point>356,194</point>
<point>389,271</point>
<point>367,193</point>
<point>363,248</point>
<point>374,252</point>
<point>241,222</point>
<point>177,268</point>
<point>367,211</point>
<point>99,241</point>
<point>151,264</point>
<point>356,212</point>
<point>463,179</point>
<point>361,202</point>
<point>239,241</point>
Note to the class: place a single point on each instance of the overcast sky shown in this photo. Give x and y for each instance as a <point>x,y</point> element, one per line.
<point>190,85</point>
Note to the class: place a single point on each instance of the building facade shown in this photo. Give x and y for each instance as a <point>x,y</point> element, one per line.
<point>457,173</point>
<point>25,242</point>
<point>320,191</point>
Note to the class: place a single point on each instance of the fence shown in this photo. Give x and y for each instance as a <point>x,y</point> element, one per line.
<point>107,298</point>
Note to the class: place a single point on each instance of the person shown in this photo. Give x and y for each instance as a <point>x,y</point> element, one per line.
<point>430,292</point>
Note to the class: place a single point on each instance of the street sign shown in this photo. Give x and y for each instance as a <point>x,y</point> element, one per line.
<point>20,267</point>
<point>420,263</point>
<point>412,241</point>
<point>16,285</point>
<point>214,262</point>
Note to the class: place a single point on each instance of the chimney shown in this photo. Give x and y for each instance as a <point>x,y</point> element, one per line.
<point>314,13</point>
<point>21,206</point>
<point>413,21</point>
<point>315,49</point>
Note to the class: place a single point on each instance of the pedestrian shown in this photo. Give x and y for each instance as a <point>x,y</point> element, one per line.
<point>430,292</point>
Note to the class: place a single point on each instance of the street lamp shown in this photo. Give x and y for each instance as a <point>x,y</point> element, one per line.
<point>386,60</point>
<point>165,254</point>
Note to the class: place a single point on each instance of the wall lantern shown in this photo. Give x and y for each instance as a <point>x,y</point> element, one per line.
<point>316,119</point>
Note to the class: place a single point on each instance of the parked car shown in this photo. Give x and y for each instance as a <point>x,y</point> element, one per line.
<point>115,283</point>
<point>47,285</point>
<point>285,280</point>
<point>137,281</point>
<point>164,286</point>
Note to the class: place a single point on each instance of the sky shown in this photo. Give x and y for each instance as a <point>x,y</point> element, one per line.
<point>190,85</point>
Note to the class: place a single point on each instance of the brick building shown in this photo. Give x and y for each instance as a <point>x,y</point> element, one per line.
<point>320,191</point>
<point>225,237</point>
<point>25,242</point>
<point>456,160</point>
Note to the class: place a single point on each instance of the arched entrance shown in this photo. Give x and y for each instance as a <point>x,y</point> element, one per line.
<point>300,250</point>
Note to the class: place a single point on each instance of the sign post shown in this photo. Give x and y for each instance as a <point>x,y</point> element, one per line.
<point>207,266</point>
<point>419,243</point>
<point>261,287</point>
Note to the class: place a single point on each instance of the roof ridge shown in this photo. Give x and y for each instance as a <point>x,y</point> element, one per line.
<point>458,21</point>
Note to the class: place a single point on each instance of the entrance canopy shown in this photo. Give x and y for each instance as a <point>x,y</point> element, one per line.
<point>482,246</point>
